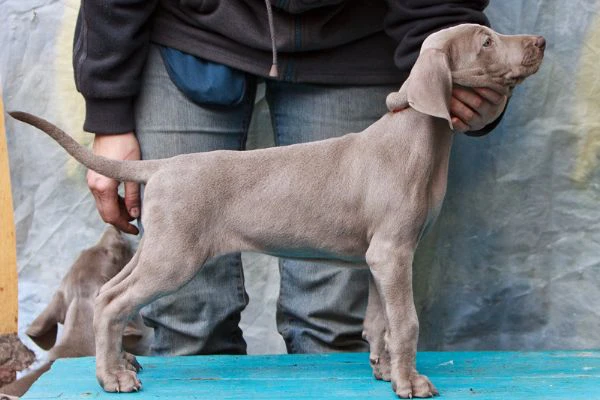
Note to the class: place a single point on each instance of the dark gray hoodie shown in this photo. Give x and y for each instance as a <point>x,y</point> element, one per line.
<point>358,42</point>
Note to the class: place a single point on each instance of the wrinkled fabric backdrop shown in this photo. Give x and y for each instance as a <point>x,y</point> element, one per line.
<point>513,261</point>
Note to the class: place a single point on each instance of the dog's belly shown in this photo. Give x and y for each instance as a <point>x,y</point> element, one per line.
<point>304,242</point>
<point>316,255</point>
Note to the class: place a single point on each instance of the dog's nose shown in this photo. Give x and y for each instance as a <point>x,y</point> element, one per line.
<point>540,42</point>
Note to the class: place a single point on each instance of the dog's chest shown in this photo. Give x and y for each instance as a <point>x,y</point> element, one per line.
<point>422,149</point>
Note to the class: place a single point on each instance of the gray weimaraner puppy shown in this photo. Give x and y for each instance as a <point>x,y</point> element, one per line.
<point>363,197</point>
<point>73,306</point>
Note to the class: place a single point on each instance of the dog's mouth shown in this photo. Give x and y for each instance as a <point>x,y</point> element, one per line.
<point>532,59</point>
<point>516,80</point>
<point>530,65</point>
<point>533,55</point>
<point>524,72</point>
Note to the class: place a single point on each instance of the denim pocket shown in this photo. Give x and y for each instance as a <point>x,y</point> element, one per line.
<point>204,82</point>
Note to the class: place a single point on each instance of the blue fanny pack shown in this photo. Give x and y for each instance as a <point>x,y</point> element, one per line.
<point>204,82</point>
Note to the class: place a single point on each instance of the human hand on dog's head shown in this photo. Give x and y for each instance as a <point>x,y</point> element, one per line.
<point>469,92</point>
<point>472,109</point>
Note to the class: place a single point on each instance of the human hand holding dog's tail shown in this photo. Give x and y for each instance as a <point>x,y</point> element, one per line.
<point>115,158</point>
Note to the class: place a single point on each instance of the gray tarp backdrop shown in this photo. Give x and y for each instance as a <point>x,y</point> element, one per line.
<point>513,261</point>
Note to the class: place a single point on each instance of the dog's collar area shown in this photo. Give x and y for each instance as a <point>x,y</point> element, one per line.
<point>397,110</point>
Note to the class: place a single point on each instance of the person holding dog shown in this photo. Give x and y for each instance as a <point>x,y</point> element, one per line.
<point>166,77</point>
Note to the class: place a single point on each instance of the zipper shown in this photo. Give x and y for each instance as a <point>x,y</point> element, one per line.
<point>290,65</point>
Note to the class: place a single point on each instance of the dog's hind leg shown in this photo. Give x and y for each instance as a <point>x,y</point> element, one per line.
<point>149,280</point>
<point>374,332</point>
<point>129,360</point>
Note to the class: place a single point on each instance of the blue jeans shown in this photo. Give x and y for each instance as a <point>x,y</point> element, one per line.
<point>321,307</point>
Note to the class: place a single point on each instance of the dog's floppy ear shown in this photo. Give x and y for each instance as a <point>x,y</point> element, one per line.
<point>428,89</point>
<point>43,329</point>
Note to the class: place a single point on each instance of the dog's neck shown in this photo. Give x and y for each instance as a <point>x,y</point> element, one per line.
<point>407,108</point>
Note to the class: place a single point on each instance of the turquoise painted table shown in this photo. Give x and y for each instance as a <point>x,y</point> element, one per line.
<point>457,375</point>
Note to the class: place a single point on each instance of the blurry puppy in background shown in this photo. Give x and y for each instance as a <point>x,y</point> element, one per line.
<point>73,306</point>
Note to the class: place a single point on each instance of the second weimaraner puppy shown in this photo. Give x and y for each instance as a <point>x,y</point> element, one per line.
<point>365,196</point>
<point>73,303</point>
<point>73,307</point>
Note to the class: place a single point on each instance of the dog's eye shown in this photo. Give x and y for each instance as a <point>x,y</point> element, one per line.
<point>488,42</point>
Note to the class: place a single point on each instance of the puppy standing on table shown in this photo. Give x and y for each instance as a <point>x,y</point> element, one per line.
<point>365,196</point>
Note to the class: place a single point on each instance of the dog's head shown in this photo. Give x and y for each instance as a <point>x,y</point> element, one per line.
<point>468,55</point>
<point>73,303</point>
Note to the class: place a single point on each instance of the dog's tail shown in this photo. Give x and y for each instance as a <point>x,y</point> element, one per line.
<point>123,171</point>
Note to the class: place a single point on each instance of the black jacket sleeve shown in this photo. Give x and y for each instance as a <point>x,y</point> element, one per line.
<point>109,52</point>
<point>409,22</point>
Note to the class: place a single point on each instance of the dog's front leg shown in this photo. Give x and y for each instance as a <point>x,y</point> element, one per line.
<point>391,268</point>
<point>374,332</point>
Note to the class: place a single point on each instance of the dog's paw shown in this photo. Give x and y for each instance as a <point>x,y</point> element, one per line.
<point>416,386</point>
<point>120,381</point>
<point>131,363</point>
<point>381,367</point>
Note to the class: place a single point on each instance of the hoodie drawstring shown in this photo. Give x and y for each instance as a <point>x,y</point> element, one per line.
<point>273,72</point>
